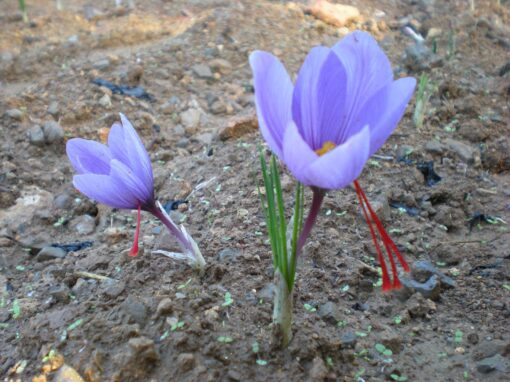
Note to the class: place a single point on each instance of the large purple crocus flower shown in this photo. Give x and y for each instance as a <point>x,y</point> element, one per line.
<point>120,176</point>
<point>344,105</point>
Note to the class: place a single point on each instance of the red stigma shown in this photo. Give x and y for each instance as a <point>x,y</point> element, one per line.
<point>134,249</point>
<point>389,245</point>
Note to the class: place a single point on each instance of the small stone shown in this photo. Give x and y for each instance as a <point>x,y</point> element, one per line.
<point>84,224</point>
<point>212,314</point>
<point>53,132</point>
<point>36,135</point>
<point>63,201</point>
<point>202,71</point>
<point>14,114</point>
<point>144,348</point>
<point>267,292</point>
<point>330,313</point>
<point>190,118</point>
<point>218,107</point>
<point>60,292</point>
<point>81,287</point>
<point>185,362</point>
<point>105,101</point>
<point>318,371</point>
<point>419,57</point>
<point>465,152</point>
<point>114,288</point>
<point>348,339</point>
<point>338,15</point>
<point>239,126</point>
<point>114,235</point>
<point>434,147</point>
<point>234,376</point>
<point>50,253</point>
<point>101,64</point>
<point>433,33</point>
<point>497,362</point>
<point>135,310</point>
<point>419,307</point>
<point>221,65</point>
<point>165,307</point>
<point>228,255</point>
<point>392,340</point>
<point>67,374</point>
<point>53,109</point>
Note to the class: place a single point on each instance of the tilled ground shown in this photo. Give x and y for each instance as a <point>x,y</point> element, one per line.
<point>111,317</point>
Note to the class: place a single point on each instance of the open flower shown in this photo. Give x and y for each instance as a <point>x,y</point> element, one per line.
<point>344,105</point>
<point>120,176</point>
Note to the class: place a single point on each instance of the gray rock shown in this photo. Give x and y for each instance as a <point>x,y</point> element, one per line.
<point>50,253</point>
<point>144,348</point>
<point>63,201</point>
<point>101,64</point>
<point>218,107</point>
<point>81,287</point>
<point>496,362</point>
<point>487,349</point>
<point>202,71</point>
<point>403,151</point>
<point>419,307</point>
<point>348,339</point>
<point>54,109</point>
<point>330,313</point>
<point>60,292</point>
<point>113,288</point>
<point>228,255</point>
<point>429,289</point>
<point>419,57</point>
<point>84,224</point>
<point>36,135</point>
<point>267,292</point>
<point>53,132</point>
<point>465,152</point>
<point>135,310</point>
<point>433,146</point>
<point>14,114</point>
<point>105,101</point>
<point>422,270</point>
<point>190,118</point>
<point>185,362</point>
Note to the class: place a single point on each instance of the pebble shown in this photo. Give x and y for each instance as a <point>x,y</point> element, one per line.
<point>419,57</point>
<point>101,64</point>
<point>221,65</point>
<point>496,362</point>
<point>114,288</point>
<point>465,152</point>
<point>60,292</point>
<point>67,374</point>
<point>318,371</point>
<point>53,132</point>
<point>348,339</point>
<point>330,313</point>
<point>419,307</point>
<point>392,340</point>
<point>145,347</point>
<point>105,101</point>
<point>202,71</point>
<point>434,147</point>
<point>50,253</point>
<point>338,15</point>
<point>135,310</point>
<point>165,307</point>
<point>36,135</point>
<point>228,255</point>
<point>14,114</point>
<point>114,235</point>
<point>267,292</point>
<point>185,362</point>
<point>239,126</point>
<point>190,118</point>
<point>84,224</point>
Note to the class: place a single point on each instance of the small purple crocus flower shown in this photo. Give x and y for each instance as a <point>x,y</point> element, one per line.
<point>120,176</point>
<point>343,107</point>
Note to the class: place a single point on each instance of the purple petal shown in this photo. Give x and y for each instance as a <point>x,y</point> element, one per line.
<point>127,147</point>
<point>319,97</point>
<point>88,156</point>
<point>384,110</point>
<point>306,111</point>
<point>122,174</point>
<point>342,165</point>
<point>273,98</point>
<point>368,70</point>
<point>106,190</point>
<point>297,155</point>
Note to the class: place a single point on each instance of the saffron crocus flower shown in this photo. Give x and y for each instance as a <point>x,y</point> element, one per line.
<point>344,105</point>
<point>120,176</point>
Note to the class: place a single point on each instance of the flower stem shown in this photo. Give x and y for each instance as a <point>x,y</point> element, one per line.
<point>318,197</point>
<point>282,311</point>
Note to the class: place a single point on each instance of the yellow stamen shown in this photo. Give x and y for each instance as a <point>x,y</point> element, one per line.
<point>326,147</point>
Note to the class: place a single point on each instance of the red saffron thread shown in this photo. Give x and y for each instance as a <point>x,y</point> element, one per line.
<point>389,245</point>
<point>134,249</point>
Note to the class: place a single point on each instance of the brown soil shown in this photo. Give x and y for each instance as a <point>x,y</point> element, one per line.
<point>147,318</point>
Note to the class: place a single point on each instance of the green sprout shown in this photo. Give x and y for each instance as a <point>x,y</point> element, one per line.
<point>383,350</point>
<point>397,319</point>
<point>458,336</point>
<point>225,339</point>
<point>176,325</point>
<point>425,91</point>
<point>284,243</point>
<point>16,309</point>
<point>23,10</point>
<point>310,308</point>
<point>398,378</point>
<point>228,300</point>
